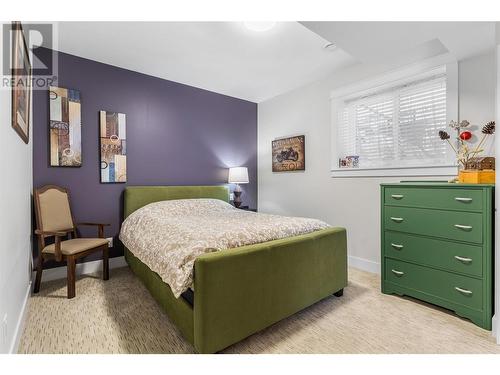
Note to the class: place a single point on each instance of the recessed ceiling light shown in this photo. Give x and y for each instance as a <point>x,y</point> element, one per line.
<point>329,47</point>
<point>259,26</point>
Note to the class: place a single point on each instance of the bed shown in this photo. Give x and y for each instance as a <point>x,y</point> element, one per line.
<point>240,291</point>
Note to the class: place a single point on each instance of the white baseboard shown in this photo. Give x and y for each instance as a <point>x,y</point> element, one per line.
<point>81,269</point>
<point>363,264</point>
<point>494,328</point>
<point>14,346</point>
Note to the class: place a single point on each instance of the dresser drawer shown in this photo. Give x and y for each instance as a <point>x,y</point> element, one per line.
<point>440,198</point>
<point>458,289</point>
<point>462,226</point>
<point>452,256</point>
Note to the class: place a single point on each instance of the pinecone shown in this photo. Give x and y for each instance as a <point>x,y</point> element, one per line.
<point>489,128</point>
<point>444,135</point>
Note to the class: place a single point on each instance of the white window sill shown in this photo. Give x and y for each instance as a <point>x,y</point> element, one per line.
<point>449,170</point>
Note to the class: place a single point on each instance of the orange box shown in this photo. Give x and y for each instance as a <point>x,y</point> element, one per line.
<point>471,176</point>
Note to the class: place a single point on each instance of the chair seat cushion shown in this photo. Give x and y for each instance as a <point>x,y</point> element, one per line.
<point>76,245</point>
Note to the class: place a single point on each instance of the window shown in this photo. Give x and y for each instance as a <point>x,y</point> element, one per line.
<point>396,125</point>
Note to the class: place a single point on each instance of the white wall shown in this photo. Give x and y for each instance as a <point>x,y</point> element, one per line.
<point>477,85</point>
<point>15,224</point>
<point>353,203</point>
<point>496,318</point>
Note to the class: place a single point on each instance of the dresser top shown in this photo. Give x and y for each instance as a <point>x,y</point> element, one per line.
<point>437,184</point>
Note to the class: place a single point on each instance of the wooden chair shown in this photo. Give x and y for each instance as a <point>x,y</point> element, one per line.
<point>54,219</point>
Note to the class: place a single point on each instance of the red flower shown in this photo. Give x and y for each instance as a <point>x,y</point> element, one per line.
<point>465,135</point>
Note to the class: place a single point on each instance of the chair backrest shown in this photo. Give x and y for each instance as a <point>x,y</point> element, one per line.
<point>53,212</point>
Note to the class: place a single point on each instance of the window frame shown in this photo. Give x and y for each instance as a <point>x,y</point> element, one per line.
<point>383,82</point>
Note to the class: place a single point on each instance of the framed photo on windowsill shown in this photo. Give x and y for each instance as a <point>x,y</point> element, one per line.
<point>21,83</point>
<point>349,162</point>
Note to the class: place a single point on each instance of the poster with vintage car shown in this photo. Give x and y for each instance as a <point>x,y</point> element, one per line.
<point>289,154</point>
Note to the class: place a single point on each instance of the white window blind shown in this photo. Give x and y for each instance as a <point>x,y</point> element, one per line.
<point>397,126</point>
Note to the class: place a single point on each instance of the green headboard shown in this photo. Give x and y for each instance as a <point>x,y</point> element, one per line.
<point>136,197</point>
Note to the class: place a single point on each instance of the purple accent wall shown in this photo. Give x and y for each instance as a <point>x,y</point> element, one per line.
<point>176,135</point>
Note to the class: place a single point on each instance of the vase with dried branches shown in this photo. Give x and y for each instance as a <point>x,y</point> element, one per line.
<point>464,151</point>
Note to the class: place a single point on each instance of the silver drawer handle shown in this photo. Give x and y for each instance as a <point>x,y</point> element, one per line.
<point>399,273</point>
<point>464,227</point>
<point>396,246</point>
<point>465,260</point>
<point>463,199</point>
<point>464,291</point>
<point>397,219</point>
<point>397,196</point>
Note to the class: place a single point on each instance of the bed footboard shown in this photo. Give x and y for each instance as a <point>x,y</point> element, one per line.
<point>241,291</point>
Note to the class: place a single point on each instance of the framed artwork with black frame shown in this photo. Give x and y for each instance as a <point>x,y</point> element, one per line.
<point>21,83</point>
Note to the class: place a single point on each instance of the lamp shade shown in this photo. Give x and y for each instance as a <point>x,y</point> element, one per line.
<point>238,175</point>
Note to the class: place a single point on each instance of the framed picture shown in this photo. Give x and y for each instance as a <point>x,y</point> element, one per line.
<point>21,88</point>
<point>65,134</point>
<point>289,154</point>
<point>351,161</point>
<point>113,146</point>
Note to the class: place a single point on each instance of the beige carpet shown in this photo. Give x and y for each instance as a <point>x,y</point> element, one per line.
<point>120,316</point>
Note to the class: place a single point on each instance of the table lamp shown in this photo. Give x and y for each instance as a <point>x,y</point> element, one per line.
<point>238,175</point>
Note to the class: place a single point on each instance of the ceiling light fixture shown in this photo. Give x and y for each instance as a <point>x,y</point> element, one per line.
<point>330,47</point>
<point>259,26</point>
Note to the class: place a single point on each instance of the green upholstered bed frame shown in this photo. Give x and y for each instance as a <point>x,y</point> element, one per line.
<point>240,291</point>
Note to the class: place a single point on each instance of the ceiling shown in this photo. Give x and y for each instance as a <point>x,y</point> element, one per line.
<point>227,58</point>
<point>375,41</point>
<point>224,57</point>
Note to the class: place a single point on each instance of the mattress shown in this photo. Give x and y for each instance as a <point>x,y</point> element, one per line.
<point>168,236</point>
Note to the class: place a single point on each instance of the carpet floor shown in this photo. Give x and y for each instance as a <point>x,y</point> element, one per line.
<point>120,316</point>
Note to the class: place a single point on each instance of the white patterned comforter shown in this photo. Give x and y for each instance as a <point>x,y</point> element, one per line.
<point>169,235</point>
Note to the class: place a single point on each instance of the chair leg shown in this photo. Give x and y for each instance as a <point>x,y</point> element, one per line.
<point>39,269</point>
<point>105,263</point>
<point>71,276</point>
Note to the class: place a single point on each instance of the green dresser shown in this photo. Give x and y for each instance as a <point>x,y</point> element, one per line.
<point>437,245</point>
